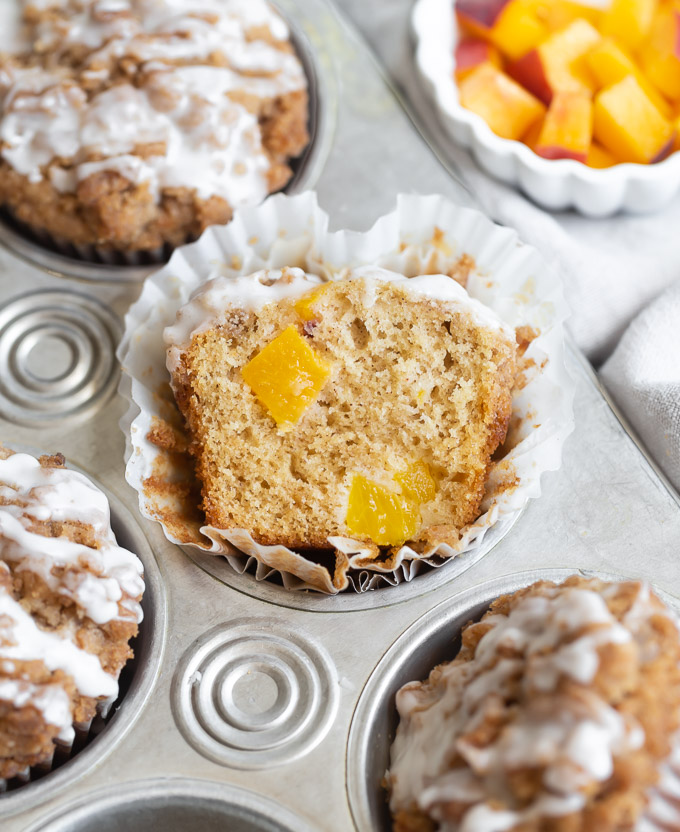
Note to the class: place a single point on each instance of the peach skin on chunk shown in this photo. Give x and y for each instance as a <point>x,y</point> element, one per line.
<point>517,30</point>
<point>629,21</point>
<point>557,64</point>
<point>471,53</point>
<point>508,109</point>
<point>476,17</point>
<point>609,64</point>
<point>629,125</point>
<point>567,129</point>
<point>660,53</point>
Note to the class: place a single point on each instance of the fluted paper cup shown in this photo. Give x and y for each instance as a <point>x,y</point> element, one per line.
<point>423,235</point>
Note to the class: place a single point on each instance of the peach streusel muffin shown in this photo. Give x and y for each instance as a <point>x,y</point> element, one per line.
<point>365,408</point>
<point>137,123</point>
<point>69,604</point>
<point>556,716</point>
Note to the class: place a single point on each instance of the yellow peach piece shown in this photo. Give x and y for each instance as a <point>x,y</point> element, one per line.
<point>530,138</point>
<point>517,29</point>
<point>305,306</point>
<point>381,515</point>
<point>556,14</point>
<point>417,482</point>
<point>286,376</point>
<point>660,53</point>
<point>568,128</point>
<point>629,125</point>
<point>598,157</point>
<point>629,21</point>
<point>609,63</point>
<point>508,109</point>
<point>557,64</point>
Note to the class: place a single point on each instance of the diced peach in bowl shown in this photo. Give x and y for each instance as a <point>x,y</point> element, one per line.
<point>576,102</point>
<point>557,64</point>
<point>660,52</point>
<point>629,125</point>
<point>471,53</point>
<point>580,62</point>
<point>507,108</point>
<point>568,128</point>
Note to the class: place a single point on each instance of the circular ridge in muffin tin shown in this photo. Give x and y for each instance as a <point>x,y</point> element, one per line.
<point>57,356</point>
<point>173,805</point>
<point>254,694</point>
<point>90,263</point>
<point>135,683</point>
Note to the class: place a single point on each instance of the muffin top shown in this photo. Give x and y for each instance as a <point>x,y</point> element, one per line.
<point>203,96</point>
<point>69,600</point>
<point>557,714</point>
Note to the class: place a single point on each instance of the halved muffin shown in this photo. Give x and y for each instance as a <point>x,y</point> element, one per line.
<point>366,407</point>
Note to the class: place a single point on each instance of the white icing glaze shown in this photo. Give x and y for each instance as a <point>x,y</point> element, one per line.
<point>203,139</point>
<point>212,300</point>
<point>62,495</point>
<point>575,739</point>
<point>51,700</point>
<point>208,305</point>
<point>22,639</point>
<point>437,287</point>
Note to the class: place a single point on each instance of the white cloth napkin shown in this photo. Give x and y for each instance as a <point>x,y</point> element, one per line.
<point>611,268</point>
<point>643,375</point>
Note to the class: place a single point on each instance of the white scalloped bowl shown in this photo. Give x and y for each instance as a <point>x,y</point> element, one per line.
<point>554,184</point>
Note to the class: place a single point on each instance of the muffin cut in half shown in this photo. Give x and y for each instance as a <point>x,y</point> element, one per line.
<point>559,714</point>
<point>366,407</point>
<point>69,604</point>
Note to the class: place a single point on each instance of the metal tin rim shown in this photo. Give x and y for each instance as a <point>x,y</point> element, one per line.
<point>378,690</point>
<point>104,800</point>
<point>149,659</point>
<point>307,169</point>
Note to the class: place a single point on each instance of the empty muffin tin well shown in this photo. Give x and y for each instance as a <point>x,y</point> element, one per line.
<point>174,805</point>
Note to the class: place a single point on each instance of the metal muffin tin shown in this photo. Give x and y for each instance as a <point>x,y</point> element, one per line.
<point>242,719</point>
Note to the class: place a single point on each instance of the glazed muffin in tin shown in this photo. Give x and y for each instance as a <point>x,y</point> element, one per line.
<point>69,605</point>
<point>132,126</point>
<point>559,713</point>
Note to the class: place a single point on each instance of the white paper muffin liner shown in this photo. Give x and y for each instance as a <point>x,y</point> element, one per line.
<point>425,234</point>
